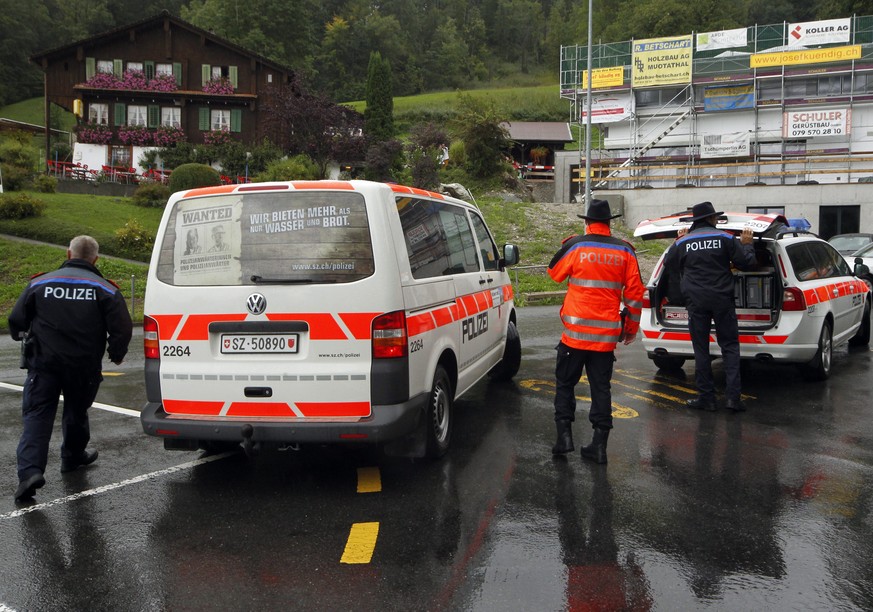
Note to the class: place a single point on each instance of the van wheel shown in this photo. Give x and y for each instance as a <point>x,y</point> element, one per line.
<point>862,336</point>
<point>664,362</point>
<point>439,415</point>
<point>820,366</point>
<point>511,361</point>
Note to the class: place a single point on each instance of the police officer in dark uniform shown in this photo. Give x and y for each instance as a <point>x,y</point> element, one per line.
<point>703,258</point>
<point>67,317</point>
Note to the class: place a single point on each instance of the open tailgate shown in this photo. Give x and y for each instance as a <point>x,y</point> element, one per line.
<point>668,227</point>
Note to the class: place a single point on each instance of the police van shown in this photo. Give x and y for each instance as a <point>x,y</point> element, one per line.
<point>324,312</point>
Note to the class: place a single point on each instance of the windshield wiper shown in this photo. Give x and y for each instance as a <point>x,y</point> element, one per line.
<point>260,280</point>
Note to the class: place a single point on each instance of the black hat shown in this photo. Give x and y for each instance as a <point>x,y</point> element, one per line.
<point>598,210</point>
<point>701,211</point>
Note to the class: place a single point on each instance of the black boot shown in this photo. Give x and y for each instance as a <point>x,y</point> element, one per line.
<point>564,444</point>
<point>596,451</point>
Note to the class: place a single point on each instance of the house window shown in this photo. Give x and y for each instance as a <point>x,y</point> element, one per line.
<point>220,120</point>
<point>104,66</point>
<point>166,69</point>
<point>171,116</point>
<point>137,115</point>
<point>98,113</point>
<point>120,156</point>
<point>137,66</point>
<point>219,71</point>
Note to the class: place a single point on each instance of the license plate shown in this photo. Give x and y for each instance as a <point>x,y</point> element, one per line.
<point>259,343</point>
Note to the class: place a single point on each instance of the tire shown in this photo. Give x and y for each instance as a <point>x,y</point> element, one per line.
<point>862,336</point>
<point>439,415</point>
<point>665,362</point>
<point>819,368</point>
<point>511,360</point>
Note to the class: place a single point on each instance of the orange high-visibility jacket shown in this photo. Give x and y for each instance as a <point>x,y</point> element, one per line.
<point>603,271</point>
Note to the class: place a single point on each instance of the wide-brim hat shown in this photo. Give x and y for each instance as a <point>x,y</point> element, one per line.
<point>598,210</point>
<point>701,211</point>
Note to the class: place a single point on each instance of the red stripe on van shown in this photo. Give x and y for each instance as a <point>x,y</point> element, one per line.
<point>359,323</point>
<point>334,409</point>
<point>483,300</point>
<point>416,191</point>
<point>202,191</point>
<point>763,339</point>
<point>460,310</point>
<point>167,325</point>
<point>261,409</point>
<point>420,323</point>
<point>443,316</point>
<point>196,326</point>
<point>192,407</point>
<point>508,293</point>
<point>322,326</point>
<point>470,305</point>
<point>323,185</point>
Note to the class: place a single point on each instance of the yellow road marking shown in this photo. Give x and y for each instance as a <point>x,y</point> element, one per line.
<point>361,543</point>
<point>618,410</point>
<point>369,480</point>
<point>662,381</point>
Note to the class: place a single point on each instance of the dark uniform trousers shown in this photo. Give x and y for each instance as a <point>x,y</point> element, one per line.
<point>568,371</point>
<point>39,407</point>
<point>727,335</point>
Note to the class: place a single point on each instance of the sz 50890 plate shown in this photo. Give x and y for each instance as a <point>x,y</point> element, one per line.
<point>259,343</point>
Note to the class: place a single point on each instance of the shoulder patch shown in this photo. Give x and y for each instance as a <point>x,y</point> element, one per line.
<point>37,275</point>
<point>568,238</point>
<point>113,283</point>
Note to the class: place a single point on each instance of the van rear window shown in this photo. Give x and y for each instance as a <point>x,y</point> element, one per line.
<point>267,238</point>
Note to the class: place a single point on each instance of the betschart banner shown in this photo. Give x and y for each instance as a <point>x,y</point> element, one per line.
<point>732,97</point>
<point>730,144</point>
<point>609,108</point>
<point>661,61</point>
<point>603,77</point>
<point>808,56</point>
<point>817,123</point>
<point>813,33</point>
<point>723,39</point>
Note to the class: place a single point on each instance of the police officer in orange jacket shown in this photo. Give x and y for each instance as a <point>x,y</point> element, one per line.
<point>602,271</point>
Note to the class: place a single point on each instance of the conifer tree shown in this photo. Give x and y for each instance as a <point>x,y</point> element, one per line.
<point>379,113</point>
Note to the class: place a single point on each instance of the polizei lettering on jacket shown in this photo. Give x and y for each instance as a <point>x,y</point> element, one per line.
<point>608,259</point>
<point>71,293</point>
<point>702,245</point>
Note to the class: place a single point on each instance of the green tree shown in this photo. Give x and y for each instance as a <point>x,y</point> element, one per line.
<point>379,113</point>
<point>478,124</point>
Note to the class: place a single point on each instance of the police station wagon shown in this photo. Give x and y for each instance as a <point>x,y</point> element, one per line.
<point>322,312</point>
<point>800,301</point>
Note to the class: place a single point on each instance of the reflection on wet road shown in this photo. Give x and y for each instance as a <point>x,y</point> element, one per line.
<point>770,509</point>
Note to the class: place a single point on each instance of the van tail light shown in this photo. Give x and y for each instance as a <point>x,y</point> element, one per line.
<point>150,343</point>
<point>389,335</point>
<point>793,300</point>
<point>647,302</point>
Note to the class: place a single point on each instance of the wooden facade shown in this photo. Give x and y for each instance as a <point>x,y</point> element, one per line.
<point>176,50</point>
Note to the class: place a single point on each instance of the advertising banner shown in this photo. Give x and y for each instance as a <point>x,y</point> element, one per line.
<point>609,108</point>
<point>813,33</point>
<point>817,123</point>
<point>723,98</point>
<point>809,56</point>
<point>723,39</point>
<point>731,144</point>
<point>603,77</point>
<point>661,61</point>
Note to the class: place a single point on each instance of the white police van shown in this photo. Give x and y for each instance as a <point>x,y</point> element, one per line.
<point>322,312</point>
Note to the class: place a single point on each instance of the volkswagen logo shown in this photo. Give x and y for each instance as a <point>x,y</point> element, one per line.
<point>256,304</point>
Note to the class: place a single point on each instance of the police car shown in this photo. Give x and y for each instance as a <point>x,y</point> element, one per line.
<point>800,301</point>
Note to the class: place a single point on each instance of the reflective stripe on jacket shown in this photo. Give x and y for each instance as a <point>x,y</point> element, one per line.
<point>601,271</point>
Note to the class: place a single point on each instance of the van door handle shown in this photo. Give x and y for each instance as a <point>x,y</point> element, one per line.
<point>482,281</point>
<point>490,280</point>
<point>258,392</point>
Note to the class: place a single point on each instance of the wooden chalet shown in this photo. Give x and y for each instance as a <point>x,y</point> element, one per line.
<point>144,84</point>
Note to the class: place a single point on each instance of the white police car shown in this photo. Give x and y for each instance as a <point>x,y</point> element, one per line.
<point>800,301</point>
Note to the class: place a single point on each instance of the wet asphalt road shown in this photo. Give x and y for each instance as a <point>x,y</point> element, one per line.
<point>771,509</point>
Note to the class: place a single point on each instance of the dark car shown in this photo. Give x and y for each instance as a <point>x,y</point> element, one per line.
<point>847,244</point>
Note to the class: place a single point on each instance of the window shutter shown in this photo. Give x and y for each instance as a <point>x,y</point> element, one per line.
<point>235,120</point>
<point>149,69</point>
<point>233,75</point>
<point>120,114</point>
<point>177,72</point>
<point>203,122</point>
<point>90,67</point>
<point>117,68</point>
<point>205,73</point>
<point>154,119</point>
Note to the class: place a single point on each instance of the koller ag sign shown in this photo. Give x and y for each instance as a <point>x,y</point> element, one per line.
<point>661,61</point>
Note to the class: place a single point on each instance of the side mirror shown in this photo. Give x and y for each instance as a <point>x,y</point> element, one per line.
<point>510,255</point>
<point>860,268</point>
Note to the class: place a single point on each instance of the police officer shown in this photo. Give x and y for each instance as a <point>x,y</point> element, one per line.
<point>68,316</point>
<point>603,271</point>
<point>703,258</point>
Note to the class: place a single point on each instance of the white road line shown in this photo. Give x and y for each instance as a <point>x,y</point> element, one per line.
<point>106,407</point>
<point>115,485</point>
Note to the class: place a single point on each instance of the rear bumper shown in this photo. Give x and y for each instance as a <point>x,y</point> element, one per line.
<point>386,423</point>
